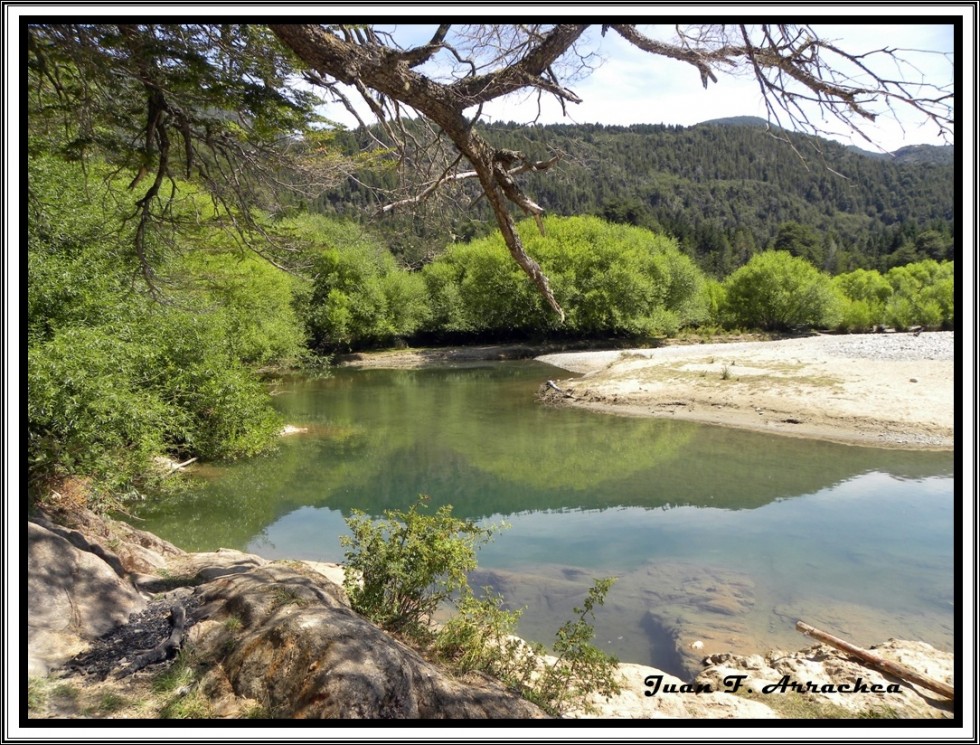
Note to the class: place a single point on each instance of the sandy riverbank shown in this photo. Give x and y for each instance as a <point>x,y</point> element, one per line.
<point>884,390</point>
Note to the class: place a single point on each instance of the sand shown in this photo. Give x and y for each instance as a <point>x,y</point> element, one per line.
<point>882,390</point>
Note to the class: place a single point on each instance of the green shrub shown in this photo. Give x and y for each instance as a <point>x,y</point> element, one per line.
<point>580,668</point>
<point>358,295</point>
<point>399,569</point>
<point>610,279</point>
<point>923,295</point>
<point>776,291</point>
<point>863,294</point>
<point>249,298</point>
<point>115,376</point>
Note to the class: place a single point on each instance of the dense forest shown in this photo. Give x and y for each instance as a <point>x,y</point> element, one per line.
<point>187,228</point>
<point>724,190</point>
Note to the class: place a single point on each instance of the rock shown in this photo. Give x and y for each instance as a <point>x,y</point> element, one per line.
<point>75,594</point>
<point>137,551</point>
<point>211,565</point>
<point>824,666</point>
<point>303,653</point>
<point>633,703</point>
<point>279,638</point>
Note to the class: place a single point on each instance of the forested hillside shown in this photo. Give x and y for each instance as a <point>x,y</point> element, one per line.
<point>174,251</point>
<point>724,189</point>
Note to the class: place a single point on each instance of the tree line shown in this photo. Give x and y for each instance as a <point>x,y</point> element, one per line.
<point>724,191</point>
<point>177,242</point>
<point>119,371</point>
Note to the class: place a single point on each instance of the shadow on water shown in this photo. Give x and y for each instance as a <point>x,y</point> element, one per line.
<point>664,654</point>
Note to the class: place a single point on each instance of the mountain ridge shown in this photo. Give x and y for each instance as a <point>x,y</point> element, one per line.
<point>918,153</point>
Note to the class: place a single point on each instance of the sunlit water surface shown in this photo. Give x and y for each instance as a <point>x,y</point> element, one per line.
<point>715,534</point>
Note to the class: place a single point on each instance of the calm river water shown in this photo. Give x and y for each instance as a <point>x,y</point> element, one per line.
<point>713,534</point>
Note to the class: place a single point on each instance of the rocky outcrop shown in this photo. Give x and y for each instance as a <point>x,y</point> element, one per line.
<point>823,682</point>
<point>280,635</point>
<point>302,652</point>
<point>281,639</point>
<point>75,594</point>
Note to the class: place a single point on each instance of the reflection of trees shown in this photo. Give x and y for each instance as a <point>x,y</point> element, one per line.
<point>476,439</point>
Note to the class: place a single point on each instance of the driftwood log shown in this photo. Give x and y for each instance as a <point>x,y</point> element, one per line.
<point>554,386</point>
<point>165,649</point>
<point>878,662</point>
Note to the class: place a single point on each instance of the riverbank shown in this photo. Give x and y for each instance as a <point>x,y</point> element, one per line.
<point>266,639</point>
<point>882,390</point>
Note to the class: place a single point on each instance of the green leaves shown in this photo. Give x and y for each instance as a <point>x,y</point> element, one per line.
<point>399,569</point>
<point>611,279</point>
<point>581,668</point>
<point>778,291</point>
<point>918,294</point>
<point>116,378</point>
<point>358,295</point>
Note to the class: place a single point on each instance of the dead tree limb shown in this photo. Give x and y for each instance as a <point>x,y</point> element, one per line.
<point>878,662</point>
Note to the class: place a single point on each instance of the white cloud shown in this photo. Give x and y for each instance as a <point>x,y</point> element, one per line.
<point>634,87</point>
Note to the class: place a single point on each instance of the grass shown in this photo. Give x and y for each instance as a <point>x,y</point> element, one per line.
<point>282,596</point>
<point>233,624</point>
<point>191,706</point>
<point>37,695</point>
<point>179,674</point>
<point>795,705</point>
<point>109,703</point>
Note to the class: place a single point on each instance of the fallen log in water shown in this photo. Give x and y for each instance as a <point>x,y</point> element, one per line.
<point>877,662</point>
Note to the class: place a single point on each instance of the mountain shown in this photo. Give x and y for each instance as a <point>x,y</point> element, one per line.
<point>928,154</point>
<point>913,154</point>
<point>932,154</point>
<point>725,189</point>
<point>741,121</point>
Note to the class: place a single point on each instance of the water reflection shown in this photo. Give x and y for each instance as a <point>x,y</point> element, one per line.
<point>718,533</point>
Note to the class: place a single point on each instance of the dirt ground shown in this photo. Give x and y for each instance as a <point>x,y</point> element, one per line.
<point>868,390</point>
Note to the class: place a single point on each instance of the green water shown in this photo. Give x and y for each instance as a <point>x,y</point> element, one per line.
<point>857,539</point>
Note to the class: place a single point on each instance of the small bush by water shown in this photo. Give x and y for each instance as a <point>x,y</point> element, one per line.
<point>399,569</point>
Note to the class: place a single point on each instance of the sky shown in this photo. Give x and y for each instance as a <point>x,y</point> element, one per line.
<point>634,87</point>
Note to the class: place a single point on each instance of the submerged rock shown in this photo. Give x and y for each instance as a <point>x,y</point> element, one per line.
<point>280,638</point>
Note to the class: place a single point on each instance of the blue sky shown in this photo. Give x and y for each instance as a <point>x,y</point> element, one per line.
<point>634,87</point>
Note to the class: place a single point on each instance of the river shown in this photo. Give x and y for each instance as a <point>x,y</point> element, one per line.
<point>714,535</point>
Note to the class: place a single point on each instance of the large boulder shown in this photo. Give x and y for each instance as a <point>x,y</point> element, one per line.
<point>74,595</point>
<point>302,652</point>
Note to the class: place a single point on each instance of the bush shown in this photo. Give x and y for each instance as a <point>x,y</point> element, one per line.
<point>580,668</point>
<point>610,279</point>
<point>776,291</point>
<point>358,295</point>
<point>923,295</point>
<point>863,294</point>
<point>249,298</point>
<point>399,569</point>
<point>116,377</point>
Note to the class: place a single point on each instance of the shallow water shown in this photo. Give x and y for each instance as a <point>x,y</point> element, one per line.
<point>715,534</point>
